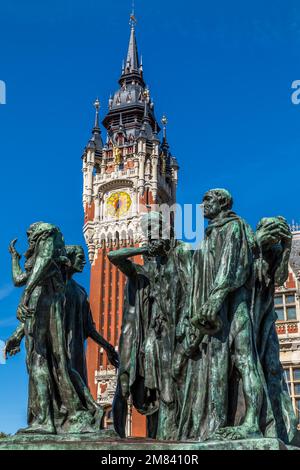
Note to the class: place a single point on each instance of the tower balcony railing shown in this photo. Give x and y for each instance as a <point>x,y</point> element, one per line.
<point>115,174</point>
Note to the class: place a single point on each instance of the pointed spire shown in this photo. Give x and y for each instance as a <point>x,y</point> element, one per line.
<point>132,61</point>
<point>96,140</point>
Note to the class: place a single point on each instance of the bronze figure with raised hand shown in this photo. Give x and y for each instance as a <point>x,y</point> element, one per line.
<point>153,299</point>
<point>59,401</point>
<point>78,320</point>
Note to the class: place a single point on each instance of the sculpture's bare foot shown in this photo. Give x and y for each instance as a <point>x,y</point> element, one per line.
<point>38,429</point>
<point>234,433</point>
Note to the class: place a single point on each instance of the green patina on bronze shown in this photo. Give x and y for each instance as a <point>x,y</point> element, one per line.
<point>109,444</point>
<point>227,384</point>
<point>199,353</point>
<point>198,350</point>
<point>55,319</point>
<point>154,296</point>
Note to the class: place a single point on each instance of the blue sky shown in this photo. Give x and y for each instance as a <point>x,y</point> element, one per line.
<point>221,71</point>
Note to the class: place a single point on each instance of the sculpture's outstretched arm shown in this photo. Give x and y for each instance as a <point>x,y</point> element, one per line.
<point>19,277</point>
<point>91,332</point>
<point>12,345</point>
<point>112,354</point>
<point>120,259</point>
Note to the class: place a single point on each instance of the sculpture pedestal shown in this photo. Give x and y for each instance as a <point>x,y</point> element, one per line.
<point>108,442</point>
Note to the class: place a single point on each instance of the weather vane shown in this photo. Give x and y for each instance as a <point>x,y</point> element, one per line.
<point>133,19</point>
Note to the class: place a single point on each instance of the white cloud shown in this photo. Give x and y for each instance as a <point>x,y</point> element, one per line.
<point>5,291</point>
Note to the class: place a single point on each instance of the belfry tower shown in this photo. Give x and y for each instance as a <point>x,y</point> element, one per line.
<point>133,170</point>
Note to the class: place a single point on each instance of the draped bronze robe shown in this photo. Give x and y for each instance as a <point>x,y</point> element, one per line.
<point>58,400</point>
<point>154,296</point>
<point>223,263</point>
<point>267,343</point>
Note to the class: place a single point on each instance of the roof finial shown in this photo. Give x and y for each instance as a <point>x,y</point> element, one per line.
<point>95,141</point>
<point>97,107</point>
<point>164,122</point>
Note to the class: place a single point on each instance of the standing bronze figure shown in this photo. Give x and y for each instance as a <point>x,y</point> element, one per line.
<point>153,300</point>
<point>78,319</point>
<point>59,401</point>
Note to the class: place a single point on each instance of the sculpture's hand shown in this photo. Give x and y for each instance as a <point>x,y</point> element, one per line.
<point>24,312</point>
<point>13,250</point>
<point>211,309</point>
<point>207,319</point>
<point>12,346</point>
<point>193,338</point>
<point>273,231</point>
<point>113,356</point>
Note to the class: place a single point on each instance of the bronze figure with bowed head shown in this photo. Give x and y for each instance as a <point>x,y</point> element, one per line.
<point>221,300</point>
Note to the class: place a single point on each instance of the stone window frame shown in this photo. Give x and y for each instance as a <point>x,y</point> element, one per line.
<point>285,305</point>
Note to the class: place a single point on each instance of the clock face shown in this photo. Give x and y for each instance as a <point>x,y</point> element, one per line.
<point>118,204</point>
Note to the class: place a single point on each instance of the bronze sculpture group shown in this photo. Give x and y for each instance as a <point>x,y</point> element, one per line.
<point>198,352</point>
